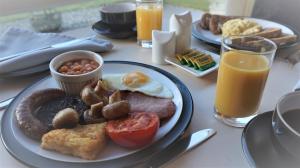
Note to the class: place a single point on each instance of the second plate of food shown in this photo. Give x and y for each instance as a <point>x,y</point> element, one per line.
<point>29,151</point>
<point>282,35</point>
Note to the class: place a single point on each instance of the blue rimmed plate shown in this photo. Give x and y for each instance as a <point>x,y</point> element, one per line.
<point>209,37</point>
<point>36,158</point>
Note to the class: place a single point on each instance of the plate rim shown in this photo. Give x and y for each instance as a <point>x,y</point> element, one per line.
<point>246,152</point>
<point>199,35</point>
<point>179,127</point>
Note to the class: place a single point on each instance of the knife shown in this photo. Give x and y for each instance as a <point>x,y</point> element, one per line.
<point>62,44</point>
<point>5,103</point>
<point>297,86</point>
<point>179,147</point>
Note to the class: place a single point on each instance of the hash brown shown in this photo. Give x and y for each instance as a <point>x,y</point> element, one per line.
<point>84,141</point>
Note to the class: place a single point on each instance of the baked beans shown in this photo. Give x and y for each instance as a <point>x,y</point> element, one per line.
<point>78,66</point>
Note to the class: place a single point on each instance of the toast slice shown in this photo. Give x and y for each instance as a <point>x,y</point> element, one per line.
<point>269,33</point>
<point>84,141</point>
<point>284,39</point>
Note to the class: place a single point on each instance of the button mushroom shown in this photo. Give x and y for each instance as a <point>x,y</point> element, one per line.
<point>116,110</point>
<point>89,96</point>
<point>88,119</point>
<point>66,118</point>
<point>94,115</point>
<point>96,110</point>
<point>101,88</point>
<point>115,97</point>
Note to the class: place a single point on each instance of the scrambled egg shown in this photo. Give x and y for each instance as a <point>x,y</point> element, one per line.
<point>240,27</point>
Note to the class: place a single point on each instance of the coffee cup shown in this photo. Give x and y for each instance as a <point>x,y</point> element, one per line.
<point>119,16</point>
<point>286,123</point>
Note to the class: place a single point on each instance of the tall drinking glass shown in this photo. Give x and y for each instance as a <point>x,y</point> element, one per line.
<point>148,18</point>
<point>244,68</point>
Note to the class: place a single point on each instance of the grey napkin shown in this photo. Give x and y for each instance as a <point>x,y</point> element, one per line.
<point>16,41</point>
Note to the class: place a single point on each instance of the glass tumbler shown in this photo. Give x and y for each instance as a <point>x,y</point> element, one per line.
<point>148,18</point>
<point>244,67</point>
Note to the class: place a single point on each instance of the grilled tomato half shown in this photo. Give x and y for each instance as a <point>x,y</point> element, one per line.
<point>135,131</point>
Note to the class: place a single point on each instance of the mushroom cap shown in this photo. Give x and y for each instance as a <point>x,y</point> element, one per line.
<point>88,119</point>
<point>66,118</point>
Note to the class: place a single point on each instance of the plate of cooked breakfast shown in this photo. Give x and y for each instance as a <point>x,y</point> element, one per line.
<point>211,28</point>
<point>198,62</point>
<point>91,114</point>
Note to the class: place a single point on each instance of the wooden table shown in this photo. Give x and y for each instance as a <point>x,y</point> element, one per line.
<point>224,149</point>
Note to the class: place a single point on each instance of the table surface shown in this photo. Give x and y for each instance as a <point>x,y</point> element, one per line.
<point>224,149</point>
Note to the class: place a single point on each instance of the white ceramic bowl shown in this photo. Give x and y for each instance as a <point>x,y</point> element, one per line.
<point>73,84</point>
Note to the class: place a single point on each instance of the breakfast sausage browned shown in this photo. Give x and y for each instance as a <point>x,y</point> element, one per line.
<point>116,110</point>
<point>216,22</point>
<point>204,23</point>
<point>26,120</point>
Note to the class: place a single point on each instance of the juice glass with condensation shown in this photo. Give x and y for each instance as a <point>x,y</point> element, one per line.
<point>148,17</point>
<point>243,71</point>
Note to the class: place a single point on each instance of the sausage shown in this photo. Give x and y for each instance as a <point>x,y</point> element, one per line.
<point>26,120</point>
<point>204,23</point>
<point>116,110</point>
<point>216,22</point>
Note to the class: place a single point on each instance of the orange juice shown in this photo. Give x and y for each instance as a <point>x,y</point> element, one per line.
<point>241,81</point>
<point>148,18</point>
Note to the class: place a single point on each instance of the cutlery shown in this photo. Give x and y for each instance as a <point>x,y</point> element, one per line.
<point>59,45</point>
<point>179,147</point>
<point>297,86</point>
<point>5,103</point>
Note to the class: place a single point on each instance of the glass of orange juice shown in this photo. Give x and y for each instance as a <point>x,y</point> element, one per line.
<point>148,18</point>
<point>243,71</point>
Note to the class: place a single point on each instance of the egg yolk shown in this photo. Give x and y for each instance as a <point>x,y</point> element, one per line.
<point>135,79</point>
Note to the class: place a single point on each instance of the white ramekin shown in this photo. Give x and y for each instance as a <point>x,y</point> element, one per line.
<point>73,84</point>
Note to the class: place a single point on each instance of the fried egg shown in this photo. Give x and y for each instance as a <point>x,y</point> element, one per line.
<point>137,82</point>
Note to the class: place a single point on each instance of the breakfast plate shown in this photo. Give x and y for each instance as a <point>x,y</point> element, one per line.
<point>207,36</point>
<point>260,146</point>
<point>29,152</point>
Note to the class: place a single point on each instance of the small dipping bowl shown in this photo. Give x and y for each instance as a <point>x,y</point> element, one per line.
<point>73,84</point>
<point>119,16</point>
<point>286,123</point>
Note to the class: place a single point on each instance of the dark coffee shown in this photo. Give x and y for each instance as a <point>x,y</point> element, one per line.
<point>292,118</point>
